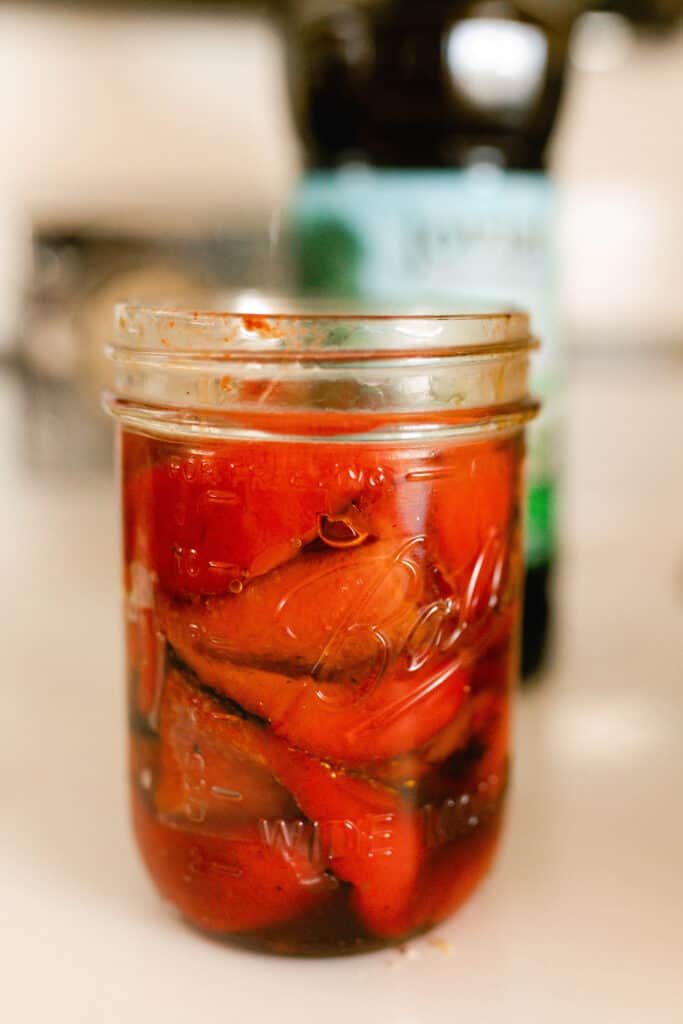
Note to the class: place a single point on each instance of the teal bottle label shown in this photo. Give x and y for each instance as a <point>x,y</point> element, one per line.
<point>478,234</point>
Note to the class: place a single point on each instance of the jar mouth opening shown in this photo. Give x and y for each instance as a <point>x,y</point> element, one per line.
<point>282,328</point>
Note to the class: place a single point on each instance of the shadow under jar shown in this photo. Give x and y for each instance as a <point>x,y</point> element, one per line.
<point>322,587</point>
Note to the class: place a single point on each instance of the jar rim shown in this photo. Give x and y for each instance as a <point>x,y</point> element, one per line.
<point>335,371</point>
<point>305,330</point>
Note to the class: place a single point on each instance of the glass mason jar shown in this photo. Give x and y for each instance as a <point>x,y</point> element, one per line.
<point>322,572</point>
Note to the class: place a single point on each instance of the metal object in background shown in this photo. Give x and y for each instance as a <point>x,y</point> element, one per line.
<point>76,279</point>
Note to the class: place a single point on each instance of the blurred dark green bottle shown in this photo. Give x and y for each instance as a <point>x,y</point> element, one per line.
<point>425,127</point>
<point>657,16</point>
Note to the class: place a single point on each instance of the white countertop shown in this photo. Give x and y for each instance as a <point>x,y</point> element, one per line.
<point>582,919</point>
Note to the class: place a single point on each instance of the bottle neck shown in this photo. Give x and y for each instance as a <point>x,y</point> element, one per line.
<point>428,85</point>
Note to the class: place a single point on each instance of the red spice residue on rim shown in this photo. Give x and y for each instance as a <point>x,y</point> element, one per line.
<point>262,325</point>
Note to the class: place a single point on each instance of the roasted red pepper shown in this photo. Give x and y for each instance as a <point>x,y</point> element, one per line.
<point>365,832</point>
<point>206,522</point>
<point>212,766</point>
<point>320,652</point>
<point>227,881</point>
<point>369,719</point>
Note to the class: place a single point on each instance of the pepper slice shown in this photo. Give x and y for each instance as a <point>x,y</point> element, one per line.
<point>409,866</point>
<point>447,876</point>
<point>201,835</point>
<point>329,643</point>
<point>366,833</point>
<point>471,527</point>
<point>206,521</point>
<point>373,721</point>
<point>323,614</point>
<point>475,490</point>
<point>229,881</point>
<point>204,779</point>
<point>370,835</point>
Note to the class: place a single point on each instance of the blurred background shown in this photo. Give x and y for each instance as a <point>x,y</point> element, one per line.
<point>173,135</point>
<point>527,150</point>
<point>174,119</point>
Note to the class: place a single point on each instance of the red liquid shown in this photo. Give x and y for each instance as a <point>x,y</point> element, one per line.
<point>321,642</point>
